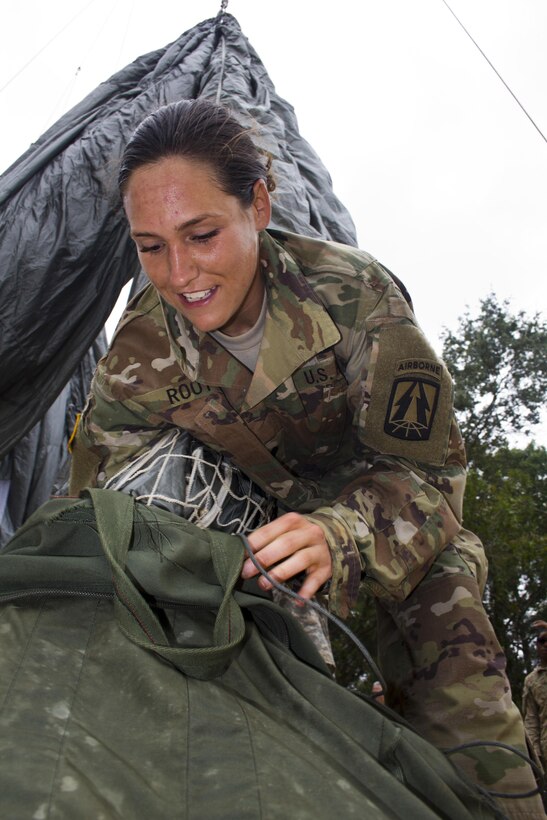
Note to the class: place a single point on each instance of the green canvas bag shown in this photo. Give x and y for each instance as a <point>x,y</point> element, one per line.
<point>139,678</point>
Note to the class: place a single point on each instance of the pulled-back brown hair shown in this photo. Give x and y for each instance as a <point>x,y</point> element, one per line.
<point>200,130</point>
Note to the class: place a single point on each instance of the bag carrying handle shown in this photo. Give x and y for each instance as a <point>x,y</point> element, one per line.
<point>114,514</point>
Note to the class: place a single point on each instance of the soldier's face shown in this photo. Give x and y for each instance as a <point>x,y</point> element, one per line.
<point>197,244</point>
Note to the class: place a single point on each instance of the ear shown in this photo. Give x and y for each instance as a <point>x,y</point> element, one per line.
<point>261,205</point>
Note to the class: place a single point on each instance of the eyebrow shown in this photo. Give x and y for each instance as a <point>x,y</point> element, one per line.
<point>183,225</point>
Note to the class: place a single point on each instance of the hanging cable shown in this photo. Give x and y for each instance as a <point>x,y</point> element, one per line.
<point>49,42</point>
<point>496,71</point>
<point>83,60</point>
<point>64,97</point>
<point>126,31</point>
<point>318,608</point>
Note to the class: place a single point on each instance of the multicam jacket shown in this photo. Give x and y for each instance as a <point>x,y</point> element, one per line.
<point>347,418</point>
<point>534,707</point>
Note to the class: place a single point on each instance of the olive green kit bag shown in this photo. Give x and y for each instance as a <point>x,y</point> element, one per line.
<point>139,678</point>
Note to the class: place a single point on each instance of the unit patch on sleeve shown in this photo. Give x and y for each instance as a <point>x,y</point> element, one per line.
<point>413,400</point>
<point>409,413</point>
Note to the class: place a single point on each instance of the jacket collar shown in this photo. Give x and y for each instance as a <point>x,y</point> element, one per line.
<point>297,328</point>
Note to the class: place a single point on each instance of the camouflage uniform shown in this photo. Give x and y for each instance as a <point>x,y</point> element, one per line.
<point>534,707</point>
<point>347,418</point>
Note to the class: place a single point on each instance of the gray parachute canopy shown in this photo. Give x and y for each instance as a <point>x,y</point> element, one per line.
<point>65,252</point>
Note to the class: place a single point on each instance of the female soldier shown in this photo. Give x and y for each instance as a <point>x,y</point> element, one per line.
<point>302,361</point>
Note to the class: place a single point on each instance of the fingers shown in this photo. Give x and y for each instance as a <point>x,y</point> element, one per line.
<point>302,561</point>
<point>272,544</point>
<point>287,546</point>
<point>280,539</point>
<point>288,523</point>
<point>313,583</point>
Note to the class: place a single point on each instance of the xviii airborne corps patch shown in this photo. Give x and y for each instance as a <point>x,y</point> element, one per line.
<point>413,400</point>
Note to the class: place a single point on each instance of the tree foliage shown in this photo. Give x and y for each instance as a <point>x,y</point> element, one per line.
<point>499,367</point>
<point>352,670</point>
<point>505,505</point>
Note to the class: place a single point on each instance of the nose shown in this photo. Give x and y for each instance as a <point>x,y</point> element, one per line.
<point>182,268</point>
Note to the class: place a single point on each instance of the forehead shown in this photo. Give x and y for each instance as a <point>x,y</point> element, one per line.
<point>174,189</point>
<point>174,172</point>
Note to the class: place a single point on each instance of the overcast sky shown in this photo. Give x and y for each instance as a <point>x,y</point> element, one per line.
<point>444,175</point>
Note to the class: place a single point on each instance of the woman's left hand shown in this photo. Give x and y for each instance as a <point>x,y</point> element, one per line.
<point>290,544</point>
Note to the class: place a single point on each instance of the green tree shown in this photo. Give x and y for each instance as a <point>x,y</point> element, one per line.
<point>352,670</point>
<point>505,504</point>
<point>499,365</point>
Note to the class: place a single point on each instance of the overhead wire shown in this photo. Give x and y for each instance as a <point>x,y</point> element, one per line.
<point>91,48</point>
<point>65,95</point>
<point>46,45</point>
<point>538,129</point>
<point>128,24</point>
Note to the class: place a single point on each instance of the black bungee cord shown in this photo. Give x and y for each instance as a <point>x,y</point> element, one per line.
<point>374,667</point>
<point>314,605</point>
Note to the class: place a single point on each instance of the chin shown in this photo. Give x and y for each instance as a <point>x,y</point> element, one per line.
<point>204,326</point>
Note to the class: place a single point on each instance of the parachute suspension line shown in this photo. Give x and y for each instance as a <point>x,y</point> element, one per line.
<point>49,42</point>
<point>128,23</point>
<point>220,19</point>
<point>65,96</point>
<point>496,71</point>
<point>211,492</point>
<point>161,472</point>
<point>322,611</point>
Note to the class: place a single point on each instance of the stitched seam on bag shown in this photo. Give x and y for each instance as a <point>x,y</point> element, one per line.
<point>69,718</point>
<point>253,755</point>
<point>186,780</point>
<point>132,612</point>
<point>23,656</point>
<point>72,513</point>
<point>218,545</point>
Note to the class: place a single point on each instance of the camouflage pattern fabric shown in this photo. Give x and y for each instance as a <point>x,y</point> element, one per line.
<point>347,393</point>
<point>534,707</point>
<point>446,674</point>
<point>313,622</point>
<point>347,418</point>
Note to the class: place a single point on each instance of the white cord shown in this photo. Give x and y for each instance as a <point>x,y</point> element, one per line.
<point>207,487</point>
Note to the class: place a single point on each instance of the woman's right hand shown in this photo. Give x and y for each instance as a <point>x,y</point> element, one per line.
<point>287,546</point>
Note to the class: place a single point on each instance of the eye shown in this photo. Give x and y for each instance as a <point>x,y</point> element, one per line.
<point>203,238</point>
<point>149,248</point>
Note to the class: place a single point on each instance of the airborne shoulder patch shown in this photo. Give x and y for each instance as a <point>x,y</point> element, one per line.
<point>413,399</point>
<point>409,413</point>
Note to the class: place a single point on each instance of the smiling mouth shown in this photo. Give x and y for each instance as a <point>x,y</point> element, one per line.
<point>198,295</point>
